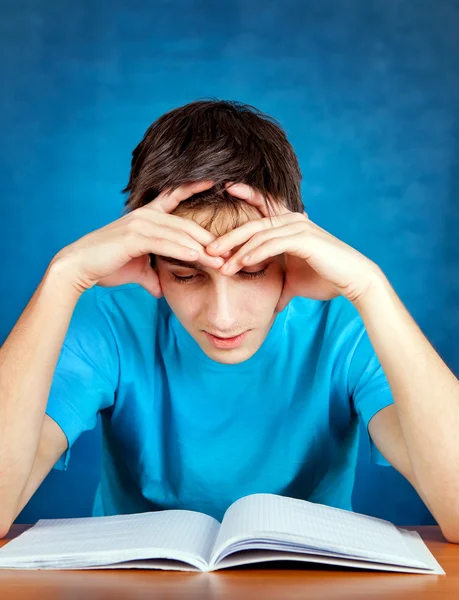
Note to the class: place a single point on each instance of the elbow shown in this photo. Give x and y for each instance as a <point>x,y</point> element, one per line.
<point>450,531</point>
<point>6,521</point>
<point>4,529</point>
<point>446,514</point>
<point>451,535</point>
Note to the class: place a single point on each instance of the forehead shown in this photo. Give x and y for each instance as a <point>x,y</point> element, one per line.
<point>222,219</point>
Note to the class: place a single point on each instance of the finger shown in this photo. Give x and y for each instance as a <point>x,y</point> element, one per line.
<point>255,198</point>
<point>236,237</point>
<point>168,200</point>
<point>249,194</point>
<point>241,234</point>
<point>180,237</point>
<point>149,280</point>
<point>284,299</point>
<point>215,262</point>
<point>160,231</point>
<point>147,245</point>
<point>192,228</point>
<point>292,244</point>
<point>237,261</point>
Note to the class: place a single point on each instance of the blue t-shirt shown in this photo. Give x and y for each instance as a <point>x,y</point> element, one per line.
<point>181,431</point>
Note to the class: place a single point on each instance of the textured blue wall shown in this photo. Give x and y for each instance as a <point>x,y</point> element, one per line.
<point>367,91</point>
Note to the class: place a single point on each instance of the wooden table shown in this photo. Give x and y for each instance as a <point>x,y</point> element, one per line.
<point>259,581</point>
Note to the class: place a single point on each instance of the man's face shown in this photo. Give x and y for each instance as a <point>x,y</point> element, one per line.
<point>210,304</point>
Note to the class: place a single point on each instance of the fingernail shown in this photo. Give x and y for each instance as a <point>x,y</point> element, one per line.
<point>218,261</point>
<point>213,245</point>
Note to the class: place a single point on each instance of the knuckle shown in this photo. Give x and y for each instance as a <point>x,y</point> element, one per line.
<point>191,229</point>
<point>297,219</point>
<point>130,235</point>
<point>261,235</point>
<point>133,224</point>
<point>158,240</point>
<point>302,218</point>
<point>190,240</point>
<point>268,223</point>
<point>278,219</point>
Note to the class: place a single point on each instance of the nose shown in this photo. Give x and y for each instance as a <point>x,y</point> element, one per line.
<point>223,307</point>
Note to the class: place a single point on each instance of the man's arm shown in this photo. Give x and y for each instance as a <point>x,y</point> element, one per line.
<point>419,434</point>
<point>318,265</point>
<point>114,255</point>
<point>27,362</point>
<point>52,445</point>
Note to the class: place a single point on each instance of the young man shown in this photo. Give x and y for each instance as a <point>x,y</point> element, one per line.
<point>229,344</point>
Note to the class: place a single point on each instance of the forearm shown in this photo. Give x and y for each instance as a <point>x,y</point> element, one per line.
<point>28,359</point>
<point>426,395</point>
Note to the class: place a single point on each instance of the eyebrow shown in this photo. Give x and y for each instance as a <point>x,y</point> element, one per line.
<point>182,263</point>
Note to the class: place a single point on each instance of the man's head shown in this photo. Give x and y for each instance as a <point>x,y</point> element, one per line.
<point>223,142</point>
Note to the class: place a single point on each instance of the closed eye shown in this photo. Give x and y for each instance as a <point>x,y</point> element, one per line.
<point>243,274</point>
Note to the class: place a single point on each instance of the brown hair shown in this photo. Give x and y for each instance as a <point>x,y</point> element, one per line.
<point>218,140</point>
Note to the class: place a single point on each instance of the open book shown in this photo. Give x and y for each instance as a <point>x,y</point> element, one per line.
<point>256,528</point>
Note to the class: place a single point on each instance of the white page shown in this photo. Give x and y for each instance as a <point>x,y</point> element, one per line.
<point>91,541</point>
<point>150,564</point>
<point>412,538</point>
<point>164,565</point>
<point>297,522</point>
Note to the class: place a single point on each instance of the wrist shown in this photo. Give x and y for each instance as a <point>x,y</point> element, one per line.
<point>61,276</point>
<point>377,289</point>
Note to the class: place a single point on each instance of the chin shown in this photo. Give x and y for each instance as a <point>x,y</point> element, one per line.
<point>229,357</point>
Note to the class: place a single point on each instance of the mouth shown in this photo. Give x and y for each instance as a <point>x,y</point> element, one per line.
<point>226,342</point>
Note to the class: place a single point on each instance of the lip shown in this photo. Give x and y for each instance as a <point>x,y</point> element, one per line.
<point>227,343</point>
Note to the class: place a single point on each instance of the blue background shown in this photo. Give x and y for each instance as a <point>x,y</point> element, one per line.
<point>368,93</point>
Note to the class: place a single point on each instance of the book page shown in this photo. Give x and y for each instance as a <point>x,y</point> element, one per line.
<point>91,541</point>
<point>289,524</point>
<point>413,539</point>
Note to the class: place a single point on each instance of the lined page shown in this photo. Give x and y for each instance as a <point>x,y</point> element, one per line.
<point>297,522</point>
<point>87,541</point>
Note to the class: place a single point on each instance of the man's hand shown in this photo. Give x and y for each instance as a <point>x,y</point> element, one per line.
<point>119,252</point>
<point>317,264</point>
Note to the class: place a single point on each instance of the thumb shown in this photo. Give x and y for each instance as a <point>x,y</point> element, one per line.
<point>284,299</point>
<point>285,296</point>
<point>149,281</point>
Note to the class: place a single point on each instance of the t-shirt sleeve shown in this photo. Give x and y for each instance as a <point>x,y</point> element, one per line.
<point>86,374</point>
<point>368,388</point>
